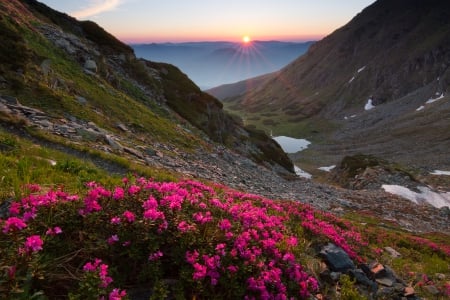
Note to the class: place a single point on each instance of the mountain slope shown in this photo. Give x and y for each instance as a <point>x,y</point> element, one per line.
<point>395,54</point>
<point>77,72</point>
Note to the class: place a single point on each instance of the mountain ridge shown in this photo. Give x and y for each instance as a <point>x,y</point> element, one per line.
<point>391,52</point>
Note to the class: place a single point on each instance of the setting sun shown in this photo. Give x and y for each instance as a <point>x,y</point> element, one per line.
<point>246,39</point>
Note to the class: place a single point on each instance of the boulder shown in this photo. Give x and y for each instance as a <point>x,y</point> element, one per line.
<point>336,258</point>
<point>90,65</point>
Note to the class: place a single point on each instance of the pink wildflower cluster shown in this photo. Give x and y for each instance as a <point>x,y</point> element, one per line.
<point>100,269</point>
<point>33,243</point>
<point>214,236</point>
<point>445,249</point>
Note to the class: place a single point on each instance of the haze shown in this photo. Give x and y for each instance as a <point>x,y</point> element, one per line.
<point>141,21</point>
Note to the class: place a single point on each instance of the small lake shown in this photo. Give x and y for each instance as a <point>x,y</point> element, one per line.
<point>291,145</point>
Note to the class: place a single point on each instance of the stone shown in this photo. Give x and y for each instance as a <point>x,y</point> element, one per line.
<point>432,289</point>
<point>81,100</point>
<point>336,258</point>
<point>134,152</point>
<point>392,252</point>
<point>385,281</point>
<point>90,65</point>
<point>361,278</point>
<point>122,127</point>
<point>10,100</point>
<point>376,268</point>
<point>45,66</point>
<point>89,134</point>
<point>409,291</point>
<point>115,145</point>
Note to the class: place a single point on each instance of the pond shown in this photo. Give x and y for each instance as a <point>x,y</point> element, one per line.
<point>291,145</point>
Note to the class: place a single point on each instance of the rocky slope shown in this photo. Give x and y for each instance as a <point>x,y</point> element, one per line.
<point>379,84</point>
<point>78,73</point>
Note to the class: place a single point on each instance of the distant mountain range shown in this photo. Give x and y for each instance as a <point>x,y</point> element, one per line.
<point>210,64</point>
<point>380,85</point>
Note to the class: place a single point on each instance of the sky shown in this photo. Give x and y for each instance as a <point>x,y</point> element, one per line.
<point>141,21</point>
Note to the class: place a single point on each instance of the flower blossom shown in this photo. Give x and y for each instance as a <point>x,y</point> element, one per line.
<point>13,223</point>
<point>33,243</point>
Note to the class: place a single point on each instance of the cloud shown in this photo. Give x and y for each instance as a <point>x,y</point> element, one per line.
<point>96,7</point>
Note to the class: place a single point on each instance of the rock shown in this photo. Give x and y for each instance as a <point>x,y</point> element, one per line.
<point>392,252</point>
<point>361,278</point>
<point>336,258</point>
<point>432,289</point>
<point>115,145</point>
<point>45,66</point>
<point>409,291</point>
<point>5,109</point>
<point>89,134</point>
<point>376,268</point>
<point>122,127</point>
<point>134,152</point>
<point>385,281</point>
<point>90,65</point>
<point>10,100</point>
<point>81,100</point>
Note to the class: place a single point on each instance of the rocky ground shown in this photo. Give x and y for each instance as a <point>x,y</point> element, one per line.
<point>223,166</point>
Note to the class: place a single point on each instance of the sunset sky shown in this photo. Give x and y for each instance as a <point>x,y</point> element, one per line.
<point>137,21</point>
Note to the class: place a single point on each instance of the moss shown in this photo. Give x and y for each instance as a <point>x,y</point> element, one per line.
<point>14,53</point>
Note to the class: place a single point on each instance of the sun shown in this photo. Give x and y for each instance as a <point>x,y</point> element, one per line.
<point>246,39</point>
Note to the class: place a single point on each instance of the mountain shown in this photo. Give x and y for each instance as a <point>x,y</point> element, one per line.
<point>75,72</point>
<point>210,64</point>
<point>232,90</point>
<point>365,87</point>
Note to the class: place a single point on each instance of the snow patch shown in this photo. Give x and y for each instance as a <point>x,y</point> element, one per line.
<point>327,169</point>
<point>361,69</point>
<point>439,172</point>
<point>369,105</point>
<point>431,100</point>
<point>302,173</point>
<point>351,79</point>
<point>426,195</point>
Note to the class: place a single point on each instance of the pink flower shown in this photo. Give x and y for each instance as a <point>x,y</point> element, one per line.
<point>129,216</point>
<point>133,190</point>
<point>153,214</point>
<point>13,223</point>
<point>155,256</point>
<point>53,231</point>
<point>118,193</point>
<point>184,226</point>
<point>191,257</point>
<point>117,294</point>
<point>14,209</point>
<point>151,203</point>
<point>33,243</point>
<point>113,239</point>
<point>202,218</point>
<point>199,271</point>
<point>225,225</point>
<point>115,220</point>
<point>220,249</point>
<point>232,269</point>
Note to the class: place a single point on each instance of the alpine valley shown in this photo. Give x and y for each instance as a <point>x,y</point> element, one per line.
<point>121,179</point>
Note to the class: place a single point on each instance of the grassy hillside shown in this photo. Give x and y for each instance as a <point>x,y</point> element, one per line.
<point>71,230</point>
